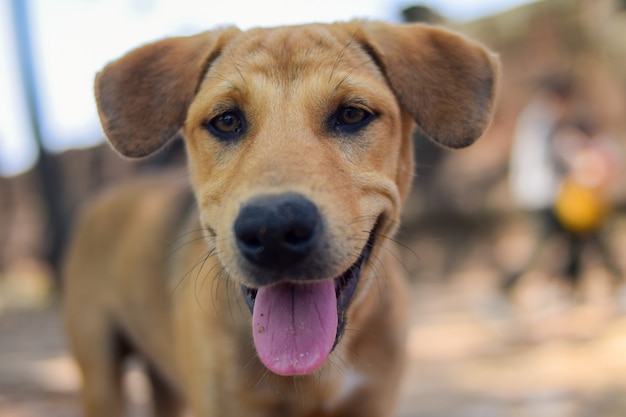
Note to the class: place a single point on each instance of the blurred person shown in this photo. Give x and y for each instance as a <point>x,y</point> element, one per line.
<point>534,175</point>
<point>590,161</point>
<point>559,171</point>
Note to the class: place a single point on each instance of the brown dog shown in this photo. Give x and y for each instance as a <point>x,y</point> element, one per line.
<point>278,293</point>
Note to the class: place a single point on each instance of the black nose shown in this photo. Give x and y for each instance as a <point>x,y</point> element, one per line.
<point>277,232</point>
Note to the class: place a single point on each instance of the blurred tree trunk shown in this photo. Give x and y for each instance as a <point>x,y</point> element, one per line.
<point>47,168</point>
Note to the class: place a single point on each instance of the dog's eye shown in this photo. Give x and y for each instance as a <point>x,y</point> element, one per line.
<point>227,126</point>
<point>350,119</point>
<point>351,115</point>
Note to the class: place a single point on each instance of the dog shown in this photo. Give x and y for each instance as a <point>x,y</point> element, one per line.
<point>270,286</point>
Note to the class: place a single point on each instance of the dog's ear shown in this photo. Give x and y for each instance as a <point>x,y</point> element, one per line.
<point>445,81</point>
<point>143,97</point>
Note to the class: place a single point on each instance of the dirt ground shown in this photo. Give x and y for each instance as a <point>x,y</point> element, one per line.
<point>548,351</point>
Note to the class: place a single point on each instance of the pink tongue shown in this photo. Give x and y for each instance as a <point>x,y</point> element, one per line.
<point>294,326</point>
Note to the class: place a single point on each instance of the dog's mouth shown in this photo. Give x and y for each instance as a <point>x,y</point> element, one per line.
<point>297,325</point>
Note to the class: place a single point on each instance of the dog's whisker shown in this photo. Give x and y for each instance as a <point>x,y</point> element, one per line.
<point>197,291</point>
<point>401,244</point>
<point>349,74</point>
<point>231,289</point>
<point>341,55</point>
<point>262,375</point>
<point>363,219</point>
<point>228,81</point>
<point>220,281</point>
<point>340,58</point>
<point>172,252</point>
<point>206,277</point>
<point>234,62</point>
<point>186,275</point>
<point>247,362</point>
<point>297,389</point>
<point>380,279</point>
<point>185,235</point>
<point>350,352</point>
<point>339,364</point>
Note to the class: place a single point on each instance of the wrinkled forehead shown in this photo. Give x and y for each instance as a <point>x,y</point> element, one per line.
<point>285,55</point>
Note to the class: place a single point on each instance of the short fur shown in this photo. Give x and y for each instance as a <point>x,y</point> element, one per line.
<point>154,272</point>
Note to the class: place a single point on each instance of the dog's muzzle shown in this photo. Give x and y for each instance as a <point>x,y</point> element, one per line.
<point>298,316</point>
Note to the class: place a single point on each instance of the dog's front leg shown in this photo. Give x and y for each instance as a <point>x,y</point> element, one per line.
<point>101,374</point>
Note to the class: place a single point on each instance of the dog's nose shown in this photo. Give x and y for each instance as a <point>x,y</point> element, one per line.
<point>277,232</point>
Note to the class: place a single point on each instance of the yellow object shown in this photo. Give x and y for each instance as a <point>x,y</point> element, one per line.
<point>580,209</point>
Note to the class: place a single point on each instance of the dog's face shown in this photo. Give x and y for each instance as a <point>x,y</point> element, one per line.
<point>286,124</point>
<point>299,142</point>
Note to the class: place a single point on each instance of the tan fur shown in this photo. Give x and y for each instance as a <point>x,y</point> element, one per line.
<point>166,276</point>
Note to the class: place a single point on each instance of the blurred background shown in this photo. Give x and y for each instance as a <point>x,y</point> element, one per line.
<point>515,247</point>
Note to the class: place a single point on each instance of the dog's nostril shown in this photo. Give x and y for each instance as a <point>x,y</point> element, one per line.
<point>299,235</point>
<point>251,240</point>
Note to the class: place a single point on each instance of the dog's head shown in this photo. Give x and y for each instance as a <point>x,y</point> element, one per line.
<point>299,143</point>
